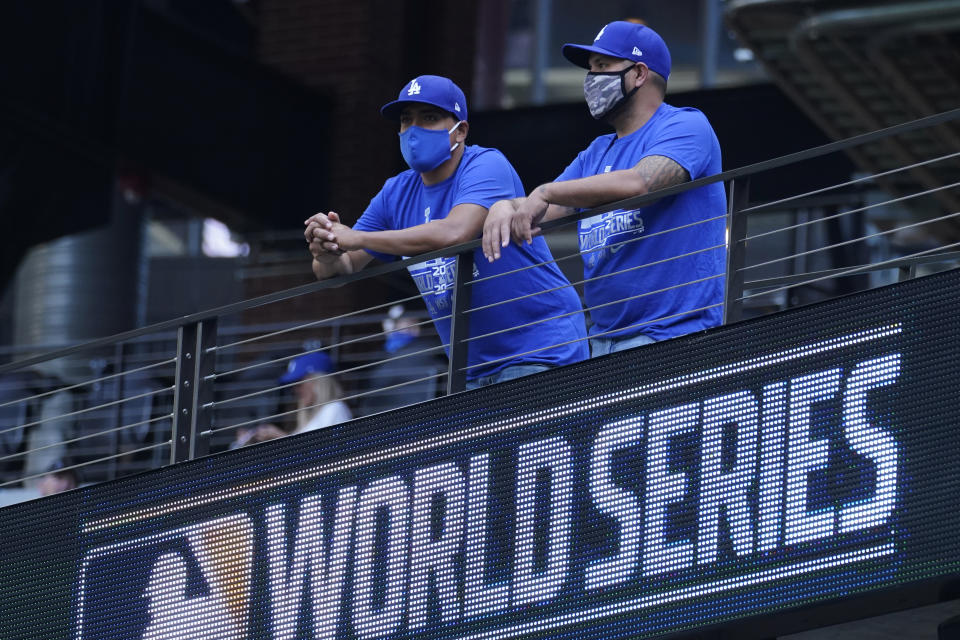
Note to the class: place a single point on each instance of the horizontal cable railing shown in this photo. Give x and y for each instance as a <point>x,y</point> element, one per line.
<point>857,181</point>
<point>844,243</point>
<point>884,264</point>
<point>87,436</point>
<point>340,372</point>
<point>81,465</point>
<point>78,412</point>
<point>319,405</point>
<point>211,381</point>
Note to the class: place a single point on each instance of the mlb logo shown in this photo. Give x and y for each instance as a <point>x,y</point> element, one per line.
<point>190,582</point>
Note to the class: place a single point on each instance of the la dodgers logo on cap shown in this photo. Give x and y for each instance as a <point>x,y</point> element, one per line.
<point>427,89</point>
<point>626,40</point>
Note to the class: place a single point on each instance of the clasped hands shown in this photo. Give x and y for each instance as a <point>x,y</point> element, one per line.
<point>328,238</point>
<point>517,219</point>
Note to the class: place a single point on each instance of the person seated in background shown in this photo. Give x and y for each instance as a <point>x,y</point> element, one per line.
<point>408,373</point>
<point>318,400</point>
<point>318,392</point>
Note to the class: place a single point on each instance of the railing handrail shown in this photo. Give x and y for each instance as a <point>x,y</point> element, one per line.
<point>398,265</point>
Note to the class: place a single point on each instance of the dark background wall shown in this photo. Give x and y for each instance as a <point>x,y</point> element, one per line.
<point>262,113</point>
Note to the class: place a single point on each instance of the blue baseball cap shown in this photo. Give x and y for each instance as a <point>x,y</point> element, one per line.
<point>305,365</point>
<point>627,40</point>
<point>436,90</point>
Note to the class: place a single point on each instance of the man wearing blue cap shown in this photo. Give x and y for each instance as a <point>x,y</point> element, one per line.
<point>440,202</point>
<point>651,273</point>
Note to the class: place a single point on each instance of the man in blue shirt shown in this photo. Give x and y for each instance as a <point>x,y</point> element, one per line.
<point>651,273</point>
<point>440,202</point>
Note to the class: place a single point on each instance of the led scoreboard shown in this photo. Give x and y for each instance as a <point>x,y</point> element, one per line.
<point>732,479</point>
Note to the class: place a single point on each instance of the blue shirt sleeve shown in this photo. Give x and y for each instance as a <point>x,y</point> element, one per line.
<point>687,139</point>
<point>487,178</point>
<point>375,218</point>
<point>574,170</point>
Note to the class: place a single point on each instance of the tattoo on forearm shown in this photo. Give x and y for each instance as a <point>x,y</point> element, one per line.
<point>661,172</point>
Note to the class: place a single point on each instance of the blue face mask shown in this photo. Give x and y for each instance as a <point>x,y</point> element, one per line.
<point>426,149</point>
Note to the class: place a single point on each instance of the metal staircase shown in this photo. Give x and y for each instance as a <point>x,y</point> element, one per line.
<point>855,67</point>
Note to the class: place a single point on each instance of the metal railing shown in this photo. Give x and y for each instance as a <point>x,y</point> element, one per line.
<point>190,386</point>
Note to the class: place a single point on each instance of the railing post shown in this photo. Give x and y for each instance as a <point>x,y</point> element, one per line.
<point>460,324</point>
<point>114,465</point>
<point>193,394</point>
<point>905,273</point>
<point>736,248</point>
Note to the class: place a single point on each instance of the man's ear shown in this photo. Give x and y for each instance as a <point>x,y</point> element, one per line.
<point>462,131</point>
<point>643,74</point>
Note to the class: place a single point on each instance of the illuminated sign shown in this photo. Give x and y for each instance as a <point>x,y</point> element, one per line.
<point>697,482</point>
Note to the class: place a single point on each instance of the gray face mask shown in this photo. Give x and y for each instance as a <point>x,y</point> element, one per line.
<point>605,91</point>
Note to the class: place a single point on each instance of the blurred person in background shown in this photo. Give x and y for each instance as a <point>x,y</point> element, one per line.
<point>52,424</point>
<point>59,478</point>
<point>665,261</point>
<point>18,406</point>
<point>441,202</point>
<point>318,400</point>
<point>410,369</point>
<point>318,392</point>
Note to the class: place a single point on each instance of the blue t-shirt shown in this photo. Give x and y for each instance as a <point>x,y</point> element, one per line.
<point>685,136</point>
<point>483,177</point>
